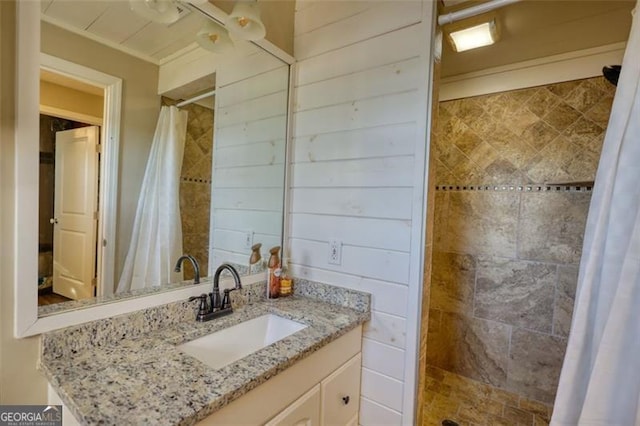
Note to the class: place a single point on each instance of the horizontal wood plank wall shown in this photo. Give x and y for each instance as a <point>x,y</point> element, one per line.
<point>356,129</point>
<point>249,154</point>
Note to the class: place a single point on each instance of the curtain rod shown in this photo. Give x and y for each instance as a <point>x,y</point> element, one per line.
<point>449,18</point>
<point>195,98</point>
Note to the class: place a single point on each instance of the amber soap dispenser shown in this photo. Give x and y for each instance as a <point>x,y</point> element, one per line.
<point>274,273</point>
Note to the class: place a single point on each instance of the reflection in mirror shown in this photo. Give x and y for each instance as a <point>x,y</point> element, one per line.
<point>231,172</point>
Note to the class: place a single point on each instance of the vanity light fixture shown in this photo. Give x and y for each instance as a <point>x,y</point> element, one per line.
<point>474,37</point>
<point>244,21</point>
<point>159,11</point>
<point>214,38</point>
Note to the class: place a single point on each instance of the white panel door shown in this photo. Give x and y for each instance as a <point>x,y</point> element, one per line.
<point>75,204</point>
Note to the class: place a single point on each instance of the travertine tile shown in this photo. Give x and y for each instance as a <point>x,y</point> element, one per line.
<point>483,223</point>
<point>468,401</point>
<point>500,171</point>
<point>601,111</point>
<point>494,105</point>
<point>440,212</point>
<point>519,153</point>
<point>565,299</point>
<point>542,102</point>
<point>520,119</point>
<point>537,408</point>
<point>534,364</point>
<point>500,138</point>
<point>582,166</point>
<point>539,134</point>
<point>552,226</point>
<point>561,116</point>
<point>563,89</point>
<point>484,154</point>
<point>584,96</point>
<point>451,156</point>
<point>435,317</point>
<point>516,292</point>
<point>452,282</point>
<point>582,132</point>
<point>518,416</point>
<point>474,348</point>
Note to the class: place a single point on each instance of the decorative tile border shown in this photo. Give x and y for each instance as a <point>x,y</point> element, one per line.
<point>518,188</point>
<point>195,180</point>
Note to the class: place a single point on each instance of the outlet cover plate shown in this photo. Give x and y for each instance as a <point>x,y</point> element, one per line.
<point>335,252</point>
<point>248,239</point>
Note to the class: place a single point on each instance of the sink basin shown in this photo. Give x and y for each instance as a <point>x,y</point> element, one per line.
<point>231,344</point>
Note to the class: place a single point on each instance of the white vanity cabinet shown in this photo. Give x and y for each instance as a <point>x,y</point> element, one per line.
<point>322,389</point>
<point>305,411</point>
<point>332,402</point>
<point>341,394</point>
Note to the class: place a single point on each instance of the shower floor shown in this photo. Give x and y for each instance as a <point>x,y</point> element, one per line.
<point>469,402</point>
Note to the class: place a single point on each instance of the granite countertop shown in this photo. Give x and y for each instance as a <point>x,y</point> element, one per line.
<point>145,379</point>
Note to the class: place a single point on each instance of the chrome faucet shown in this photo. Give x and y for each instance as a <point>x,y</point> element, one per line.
<point>213,305</point>
<point>194,262</point>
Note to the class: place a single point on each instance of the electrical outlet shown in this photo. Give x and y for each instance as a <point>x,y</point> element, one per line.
<point>248,239</point>
<point>335,252</point>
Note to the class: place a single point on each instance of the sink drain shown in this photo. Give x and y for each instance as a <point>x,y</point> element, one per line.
<point>448,422</point>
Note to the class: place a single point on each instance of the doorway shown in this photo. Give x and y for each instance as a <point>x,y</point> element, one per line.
<point>68,223</point>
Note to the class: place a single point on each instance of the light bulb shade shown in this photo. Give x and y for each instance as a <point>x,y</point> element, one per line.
<point>474,37</point>
<point>214,38</point>
<point>160,11</point>
<point>244,21</point>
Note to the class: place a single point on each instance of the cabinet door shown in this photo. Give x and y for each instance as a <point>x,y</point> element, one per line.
<point>341,394</point>
<point>305,411</point>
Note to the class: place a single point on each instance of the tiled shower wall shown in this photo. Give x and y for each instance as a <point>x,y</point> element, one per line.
<point>195,186</point>
<point>505,262</point>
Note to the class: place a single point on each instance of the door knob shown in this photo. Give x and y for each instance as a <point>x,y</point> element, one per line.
<point>53,221</point>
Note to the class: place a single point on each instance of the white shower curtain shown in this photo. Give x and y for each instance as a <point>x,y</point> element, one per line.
<point>600,379</point>
<point>156,240</point>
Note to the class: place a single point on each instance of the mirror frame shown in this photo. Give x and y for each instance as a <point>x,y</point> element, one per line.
<point>27,110</point>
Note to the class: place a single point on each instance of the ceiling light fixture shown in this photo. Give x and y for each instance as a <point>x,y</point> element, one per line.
<point>474,37</point>
<point>244,21</point>
<point>159,11</point>
<point>214,38</point>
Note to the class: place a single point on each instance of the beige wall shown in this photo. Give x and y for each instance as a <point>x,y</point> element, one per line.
<point>20,382</point>
<point>141,106</point>
<point>505,263</point>
<point>64,98</point>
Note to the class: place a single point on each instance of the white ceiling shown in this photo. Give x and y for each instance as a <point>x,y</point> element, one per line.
<point>534,29</point>
<point>114,24</point>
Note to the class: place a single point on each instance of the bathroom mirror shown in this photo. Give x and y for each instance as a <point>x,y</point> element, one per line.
<point>231,184</point>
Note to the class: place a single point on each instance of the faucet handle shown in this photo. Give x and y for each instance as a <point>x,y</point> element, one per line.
<point>202,310</point>
<point>226,300</point>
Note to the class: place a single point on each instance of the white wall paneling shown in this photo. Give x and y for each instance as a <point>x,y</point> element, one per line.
<point>384,389</point>
<point>357,175</point>
<point>382,358</point>
<point>386,297</point>
<point>249,155</point>
<point>373,413</point>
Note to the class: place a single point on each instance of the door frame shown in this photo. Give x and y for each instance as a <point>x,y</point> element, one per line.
<point>110,147</point>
